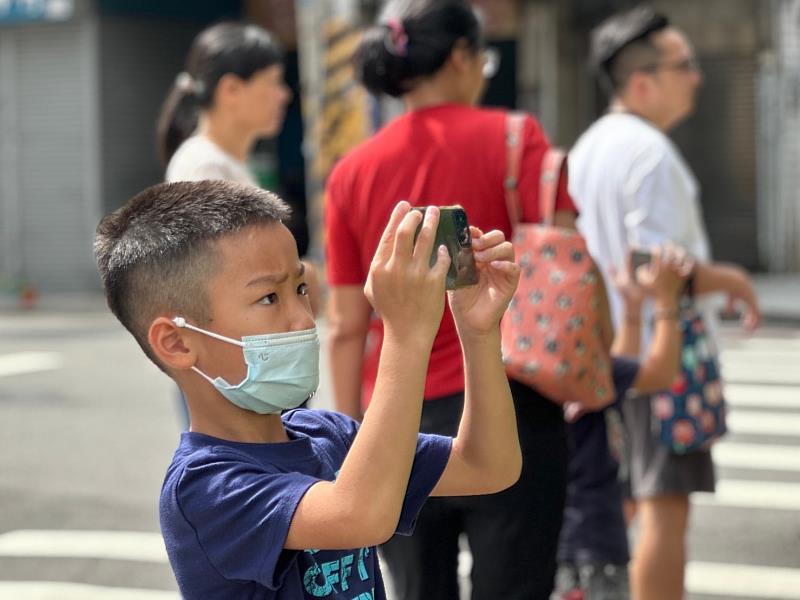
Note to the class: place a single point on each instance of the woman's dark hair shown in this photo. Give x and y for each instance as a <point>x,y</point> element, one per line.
<point>236,48</point>
<point>413,39</point>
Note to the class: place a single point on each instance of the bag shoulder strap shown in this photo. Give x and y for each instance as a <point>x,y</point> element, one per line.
<point>552,164</point>
<point>515,126</point>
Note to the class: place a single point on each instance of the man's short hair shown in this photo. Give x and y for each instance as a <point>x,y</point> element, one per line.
<point>156,253</point>
<point>622,45</point>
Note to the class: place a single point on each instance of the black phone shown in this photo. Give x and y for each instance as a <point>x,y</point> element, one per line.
<point>453,232</point>
<point>639,258</point>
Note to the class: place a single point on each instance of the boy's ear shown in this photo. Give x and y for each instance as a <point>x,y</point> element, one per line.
<point>169,344</point>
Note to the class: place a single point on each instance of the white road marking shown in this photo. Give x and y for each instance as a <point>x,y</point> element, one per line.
<point>763,396</point>
<point>736,580</point>
<point>118,545</point>
<point>58,590</point>
<point>20,363</point>
<point>770,495</point>
<point>769,457</point>
<point>764,423</point>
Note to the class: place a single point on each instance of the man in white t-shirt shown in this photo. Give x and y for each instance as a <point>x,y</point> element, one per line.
<point>633,188</point>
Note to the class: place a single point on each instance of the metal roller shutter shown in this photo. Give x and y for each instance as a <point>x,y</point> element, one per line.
<point>719,142</point>
<point>51,200</point>
<point>139,60</point>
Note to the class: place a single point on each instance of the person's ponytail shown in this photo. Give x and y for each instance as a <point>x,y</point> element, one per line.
<point>413,40</point>
<point>381,63</point>
<point>178,117</point>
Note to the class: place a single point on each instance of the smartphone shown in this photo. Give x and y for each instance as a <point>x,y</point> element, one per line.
<point>639,258</point>
<point>453,232</point>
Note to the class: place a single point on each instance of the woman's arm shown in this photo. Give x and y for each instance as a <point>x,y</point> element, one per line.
<point>348,322</point>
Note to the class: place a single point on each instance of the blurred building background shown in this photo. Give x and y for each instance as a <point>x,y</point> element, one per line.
<point>82,81</point>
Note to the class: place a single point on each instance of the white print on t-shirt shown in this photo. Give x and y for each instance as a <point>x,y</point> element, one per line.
<point>320,580</point>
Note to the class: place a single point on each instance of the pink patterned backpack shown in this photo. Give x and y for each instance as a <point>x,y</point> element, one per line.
<point>551,336</point>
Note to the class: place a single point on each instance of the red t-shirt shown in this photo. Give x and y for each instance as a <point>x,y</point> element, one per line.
<point>442,155</point>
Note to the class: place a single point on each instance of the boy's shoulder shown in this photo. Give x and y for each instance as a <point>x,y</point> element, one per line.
<point>307,429</point>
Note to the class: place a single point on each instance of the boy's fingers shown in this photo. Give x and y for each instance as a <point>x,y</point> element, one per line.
<point>386,243</point>
<point>404,238</point>
<point>424,244</point>
<point>502,251</point>
<point>442,265</point>
<point>487,240</point>
<point>475,232</point>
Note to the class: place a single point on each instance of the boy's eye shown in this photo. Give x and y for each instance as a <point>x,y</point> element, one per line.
<point>302,289</point>
<point>269,299</point>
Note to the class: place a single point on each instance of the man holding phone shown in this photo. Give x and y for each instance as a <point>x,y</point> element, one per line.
<point>634,190</point>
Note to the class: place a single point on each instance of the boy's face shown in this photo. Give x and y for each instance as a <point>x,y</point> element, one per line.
<point>258,288</point>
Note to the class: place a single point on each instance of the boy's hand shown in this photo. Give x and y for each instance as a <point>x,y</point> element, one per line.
<point>665,275</point>
<point>478,309</point>
<point>403,289</point>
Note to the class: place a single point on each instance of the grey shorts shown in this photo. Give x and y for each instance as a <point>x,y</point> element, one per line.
<point>653,469</point>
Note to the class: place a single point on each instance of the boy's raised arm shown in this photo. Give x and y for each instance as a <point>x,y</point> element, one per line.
<point>486,456</point>
<point>362,507</point>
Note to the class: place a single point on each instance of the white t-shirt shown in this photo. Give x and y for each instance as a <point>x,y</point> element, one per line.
<point>199,158</point>
<point>633,188</point>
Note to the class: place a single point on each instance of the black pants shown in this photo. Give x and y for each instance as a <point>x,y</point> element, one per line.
<point>513,535</point>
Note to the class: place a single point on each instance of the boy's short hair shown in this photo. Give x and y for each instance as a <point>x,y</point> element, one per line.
<point>621,45</point>
<point>156,254</point>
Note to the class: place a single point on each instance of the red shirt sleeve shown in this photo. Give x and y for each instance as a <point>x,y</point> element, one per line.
<point>342,247</point>
<point>535,144</point>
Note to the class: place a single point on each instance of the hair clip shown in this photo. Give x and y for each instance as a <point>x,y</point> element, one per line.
<point>188,84</point>
<point>399,38</point>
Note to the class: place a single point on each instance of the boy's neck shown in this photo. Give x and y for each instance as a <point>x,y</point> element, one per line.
<point>219,418</point>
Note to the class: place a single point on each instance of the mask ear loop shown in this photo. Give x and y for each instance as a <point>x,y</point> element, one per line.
<point>181,322</point>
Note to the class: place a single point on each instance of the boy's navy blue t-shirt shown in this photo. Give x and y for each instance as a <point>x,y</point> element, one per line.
<point>594,528</point>
<point>226,508</point>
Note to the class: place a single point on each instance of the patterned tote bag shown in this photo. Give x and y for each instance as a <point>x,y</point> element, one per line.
<point>691,414</point>
<point>551,338</point>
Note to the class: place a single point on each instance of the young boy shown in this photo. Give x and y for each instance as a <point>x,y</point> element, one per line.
<point>593,548</point>
<point>259,504</point>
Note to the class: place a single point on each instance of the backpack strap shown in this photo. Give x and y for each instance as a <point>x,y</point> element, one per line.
<point>515,126</point>
<point>552,164</point>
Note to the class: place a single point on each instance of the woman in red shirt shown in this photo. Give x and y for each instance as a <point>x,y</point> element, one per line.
<point>444,150</point>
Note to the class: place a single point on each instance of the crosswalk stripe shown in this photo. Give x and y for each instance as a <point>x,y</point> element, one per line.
<point>743,581</point>
<point>58,590</point>
<point>20,363</point>
<point>763,396</point>
<point>770,495</point>
<point>750,373</point>
<point>118,545</point>
<point>770,457</point>
<point>763,423</point>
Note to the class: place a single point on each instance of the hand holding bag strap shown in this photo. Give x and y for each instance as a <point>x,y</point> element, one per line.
<point>515,127</point>
<point>552,164</point>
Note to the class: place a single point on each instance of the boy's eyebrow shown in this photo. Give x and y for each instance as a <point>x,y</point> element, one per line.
<point>275,278</point>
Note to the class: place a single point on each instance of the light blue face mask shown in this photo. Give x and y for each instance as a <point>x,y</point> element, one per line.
<point>282,369</point>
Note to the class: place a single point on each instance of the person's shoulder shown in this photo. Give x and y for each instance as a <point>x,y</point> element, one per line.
<point>198,158</point>
<point>321,424</point>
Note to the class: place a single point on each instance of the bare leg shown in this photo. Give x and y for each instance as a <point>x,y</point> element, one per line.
<point>659,559</point>
<point>629,508</point>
